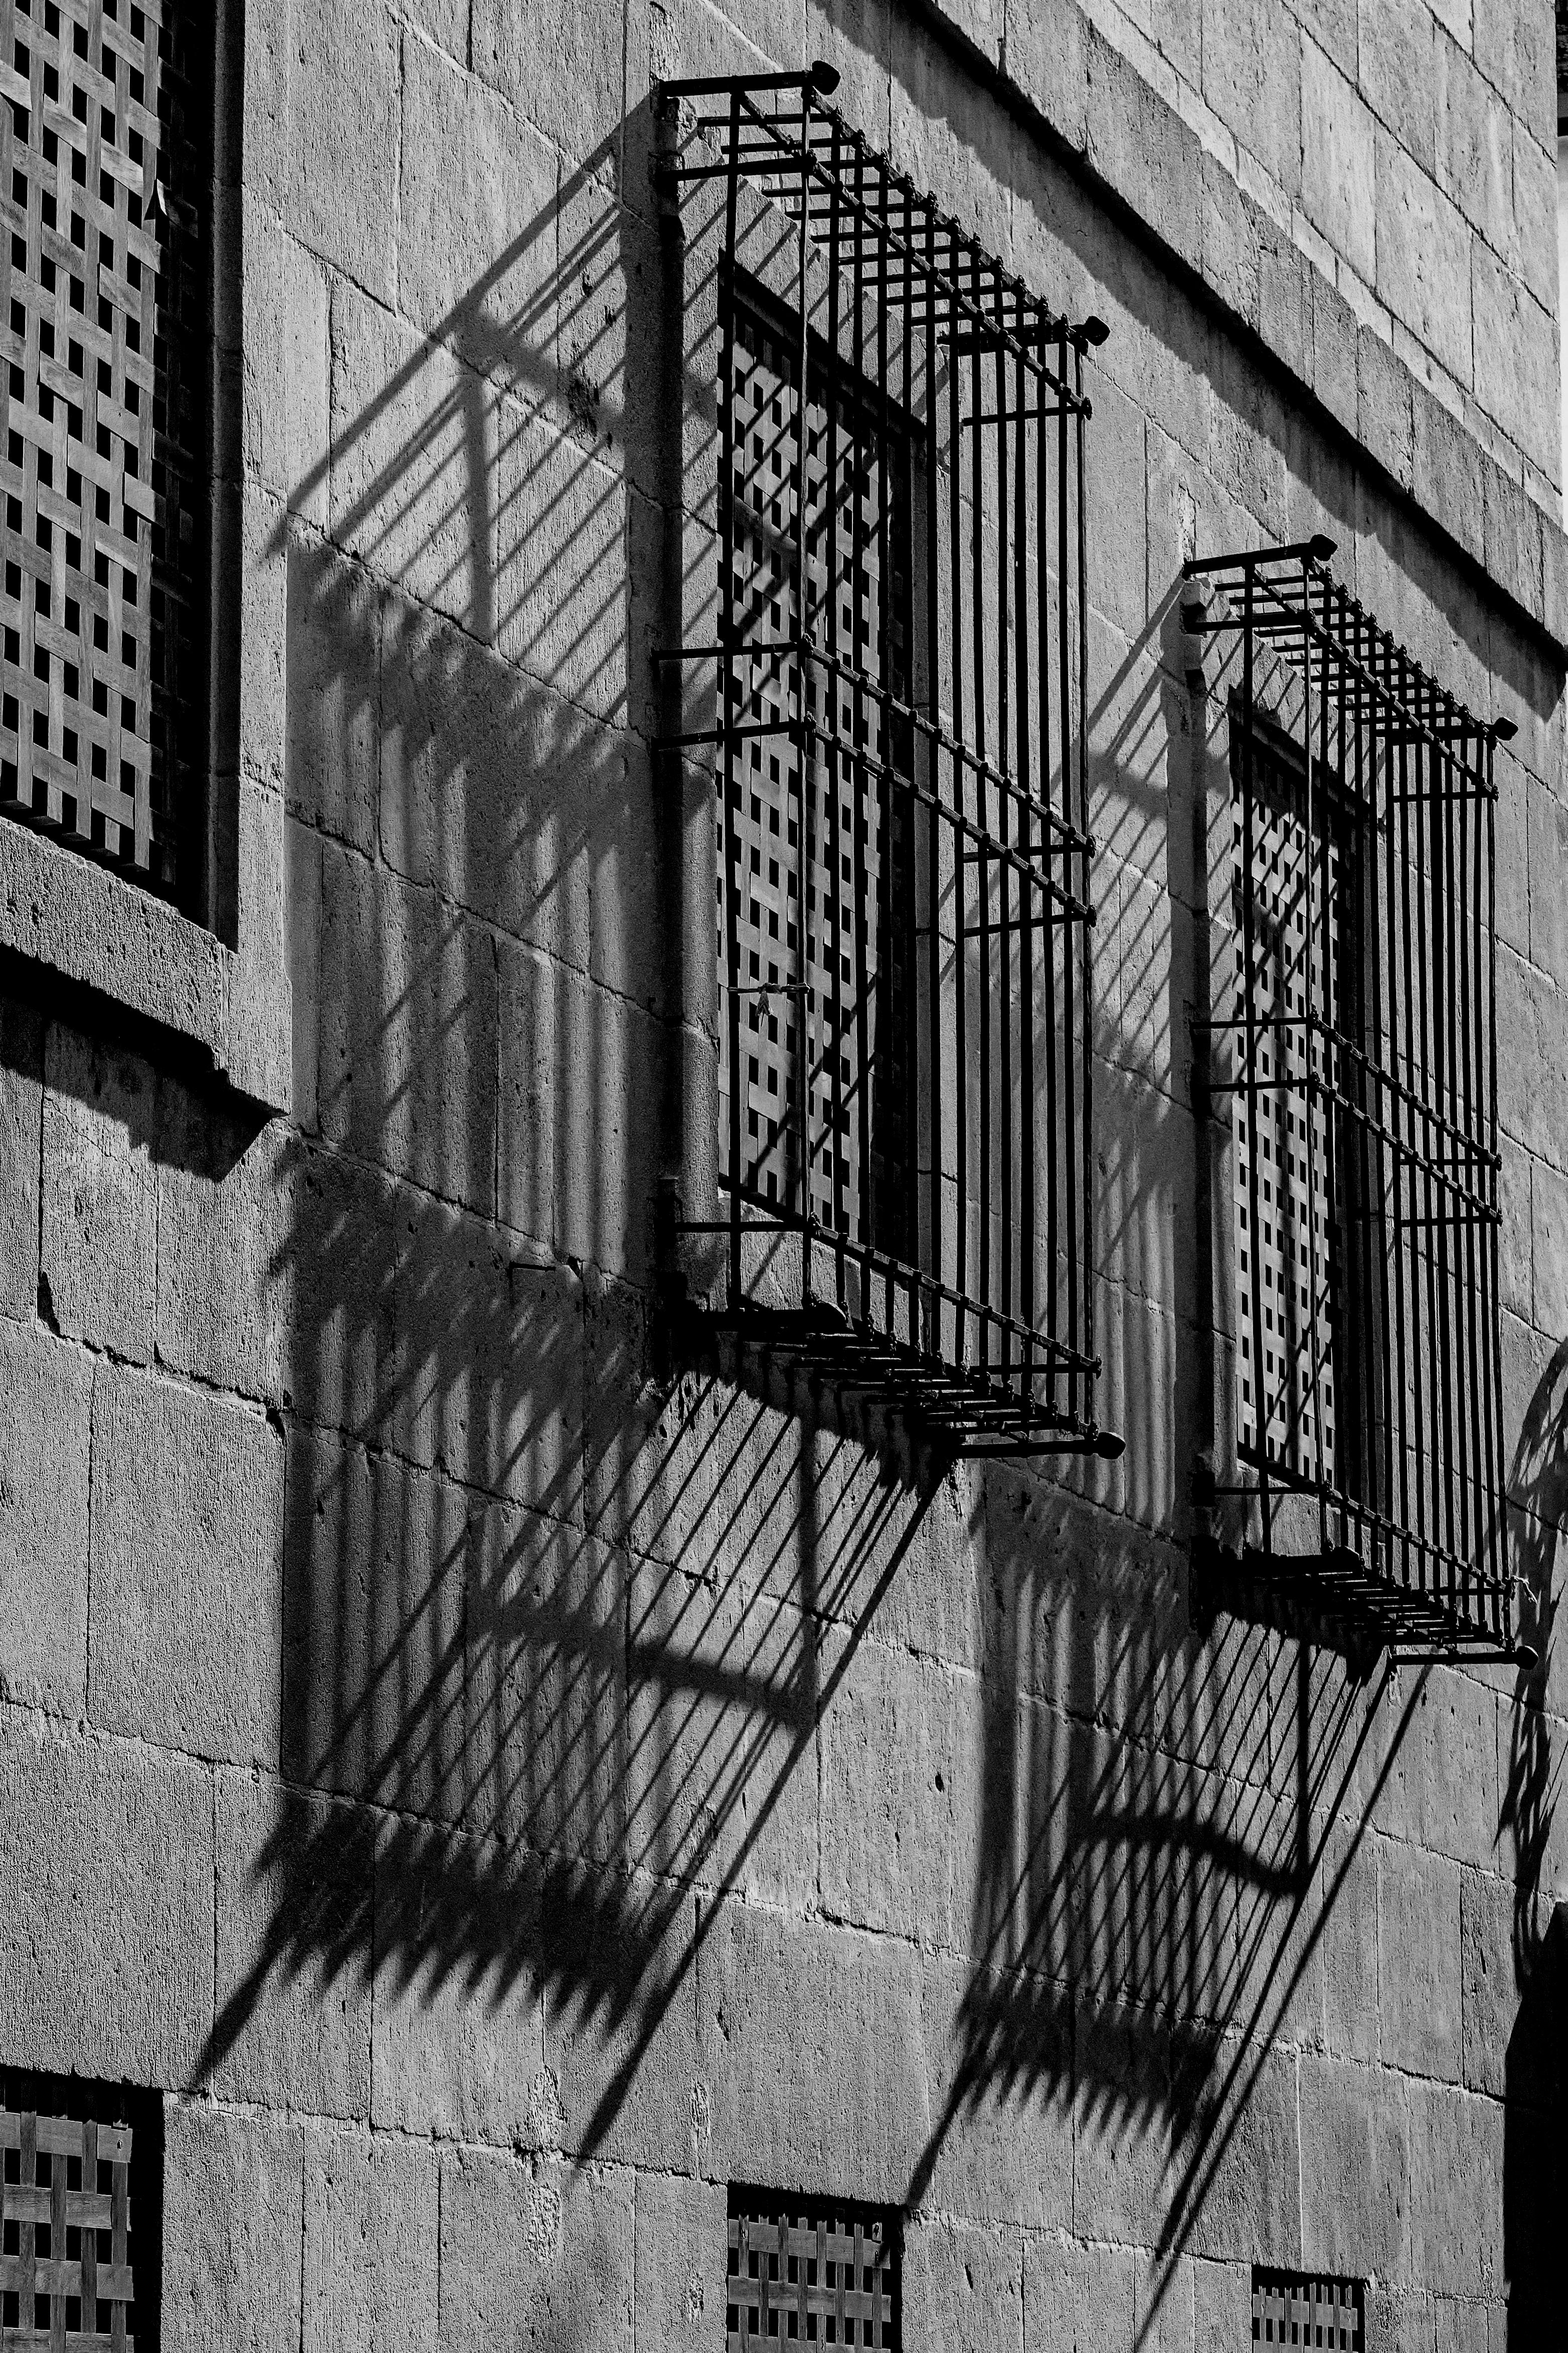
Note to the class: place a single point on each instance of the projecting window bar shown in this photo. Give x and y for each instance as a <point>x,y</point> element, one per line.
<point>1356,1040</point>
<point>811,2272</point>
<point>902,901</point>
<point>105,197</point>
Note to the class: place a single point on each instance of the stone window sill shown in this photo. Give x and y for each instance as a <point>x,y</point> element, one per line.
<point>99,929</point>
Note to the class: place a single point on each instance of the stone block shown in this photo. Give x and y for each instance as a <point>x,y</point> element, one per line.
<point>1457,2188</point>
<point>1398,73</point>
<point>44,1470</point>
<point>1252,79</point>
<point>1423,258</point>
<point>963,2287</point>
<point>232,2191</point>
<point>337,1263</point>
<point>1045,51</point>
<point>1549,1249</point>
<point>680,2255</point>
<point>1118,512</point>
<point>488,780</point>
<point>1449,482</point>
<point>296,1891</point>
<point>1141,146</point>
<point>1222,2306</point>
<point>560,602</point>
<point>188,1513</point>
<point>333,751</point>
<point>285,356</point>
<point>1489,1989</point>
<point>408,1050</point>
<point>97,1246</point>
<point>1349,1944</point>
<point>21,1156</point>
<point>895,1737</point>
<point>536,2255</point>
<point>1164,2301</point>
<point>337,196</point>
<point>1122,2139</point>
<point>414,485</point>
<point>224,1252</point>
<point>1077,2298</point>
<point>1514,49</point>
<point>1475,147</point>
<point>106,1943</point>
<point>581,1110</point>
<point>723,1690</point>
<point>1239,2144</point>
<point>1548,820</point>
<point>1517,360</point>
<point>767,2054</point>
<point>619,1959</point>
<point>483,1377</point>
<point>1338,159</point>
<point>1419,1962</point>
<point>253,578</point>
<point>372,2243</point>
<point>373,1676</point>
<point>478,250</point>
<point>1355,2169</point>
<point>459,2025</point>
<point>547,1763</point>
<point>1533,245</point>
<point>558,69</point>
<point>1335,358</point>
<point>998,2065</point>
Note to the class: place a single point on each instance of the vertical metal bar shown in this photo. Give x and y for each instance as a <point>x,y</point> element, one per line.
<point>832,794</point>
<point>891,1199</point>
<point>1051,929</point>
<point>1252,961</point>
<point>1316,1042</point>
<point>1467,1303</point>
<point>959,867</point>
<point>1446,952</point>
<point>1085,937</point>
<point>804,1006</point>
<point>901,608</point>
<point>1067,591</point>
<point>1499,1517</point>
<point>860,797</point>
<point>983,796</point>
<point>727,756</point>
<point>933,824</point>
<point>1005,1000</point>
<point>1032,903</point>
<point>1399,1112</point>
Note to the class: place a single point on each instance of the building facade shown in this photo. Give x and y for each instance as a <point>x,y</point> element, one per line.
<point>508,1789</point>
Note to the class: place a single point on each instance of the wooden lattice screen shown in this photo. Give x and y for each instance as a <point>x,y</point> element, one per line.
<point>66,2269</point>
<point>810,2274</point>
<point>105,175</point>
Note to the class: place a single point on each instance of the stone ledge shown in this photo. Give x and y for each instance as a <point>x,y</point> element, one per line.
<point>60,911</point>
<point>1125,139</point>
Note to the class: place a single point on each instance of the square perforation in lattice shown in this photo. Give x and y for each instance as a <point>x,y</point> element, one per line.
<point>1308,2309</point>
<point>105,136</point>
<point>809,2271</point>
<point>68,2247</point>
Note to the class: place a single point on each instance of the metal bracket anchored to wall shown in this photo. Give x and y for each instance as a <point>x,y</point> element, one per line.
<point>894,657</point>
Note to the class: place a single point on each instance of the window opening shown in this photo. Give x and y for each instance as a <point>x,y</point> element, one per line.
<point>81,2215</point>
<point>1359,1051</point>
<point>903,889</point>
<point>105,192</point>
<point>811,2272</point>
<point>1308,2308</point>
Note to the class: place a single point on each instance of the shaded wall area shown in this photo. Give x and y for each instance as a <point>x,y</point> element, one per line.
<point>542,1785</point>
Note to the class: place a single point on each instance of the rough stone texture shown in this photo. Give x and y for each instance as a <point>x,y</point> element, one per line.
<point>1419,1962</point>
<point>106,1943</point>
<point>233,2188</point>
<point>44,1472</point>
<point>98,1227</point>
<point>1355,2171</point>
<point>372,2242</point>
<point>965,2288</point>
<point>536,2252</point>
<point>21,1108</point>
<point>188,1589</point>
<point>1077,2298</point>
<point>680,2244</point>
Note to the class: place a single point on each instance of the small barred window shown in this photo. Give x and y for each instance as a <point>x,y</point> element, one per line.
<point>810,2272</point>
<point>105,192</point>
<point>1308,2309</point>
<point>80,2216</point>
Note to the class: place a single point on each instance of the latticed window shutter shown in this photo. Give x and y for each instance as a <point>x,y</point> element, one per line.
<point>105,177</point>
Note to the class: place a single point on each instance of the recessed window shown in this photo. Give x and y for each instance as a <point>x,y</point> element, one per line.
<point>106,444</point>
<point>811,2272</point>
<point>1308,2309</point>
<point>80,2213</point>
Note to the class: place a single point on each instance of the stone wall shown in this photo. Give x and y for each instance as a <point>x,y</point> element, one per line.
<point>501,1797</point>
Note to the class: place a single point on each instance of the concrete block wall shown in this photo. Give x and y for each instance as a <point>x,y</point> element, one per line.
<point>501,1797</point>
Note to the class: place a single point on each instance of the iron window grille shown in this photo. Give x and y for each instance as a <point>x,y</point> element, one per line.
<point>105,327</point>
<point>1308,2308</point>
<point>81,2216</point>
<point>903,909</point>
<point>1354,1035</point>
<point>810,2272</point>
